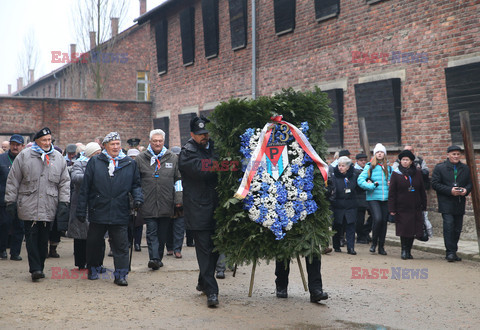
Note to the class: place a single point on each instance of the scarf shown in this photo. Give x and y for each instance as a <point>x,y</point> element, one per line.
<point>156,158</point>
<point>112,161</point>
<point>83,158</point>
<point>43,154</point>
<point>408,171</point>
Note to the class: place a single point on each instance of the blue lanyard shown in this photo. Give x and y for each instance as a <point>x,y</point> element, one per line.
<point>410,178</point>
<point>346,183</point>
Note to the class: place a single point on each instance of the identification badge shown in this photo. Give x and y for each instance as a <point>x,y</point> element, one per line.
<point>411,188</point>
<point>168,165</point>
<point>347,191</point>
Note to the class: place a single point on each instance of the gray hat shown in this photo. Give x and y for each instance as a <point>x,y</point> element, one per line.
<point>454,148</point>
<point>112,136</point>
<point>71,148</point>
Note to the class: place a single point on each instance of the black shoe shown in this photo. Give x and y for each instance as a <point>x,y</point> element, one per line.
<point>155,264</point>
<point>457,258</point>
<point>191,244</point>
<point>200,288</point>
<point>372,248</point>
<point>351,251</point>
<point>36,275</point>
<point>220,275</point>
<point>382,251</point>
<point>337,250</point>
<point>282,293</point>
<point>317,295</point>
<point>16,258</point>
<point>121,281</point>
<point>212,300</point>
<point>3,255</point>
<point>450,257</point>
<point>362,241</point>
<point>52,253</point>
<point>138,248</point>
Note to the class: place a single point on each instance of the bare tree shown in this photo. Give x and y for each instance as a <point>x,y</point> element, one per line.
<point>29,57</point>
<point>94,16</point>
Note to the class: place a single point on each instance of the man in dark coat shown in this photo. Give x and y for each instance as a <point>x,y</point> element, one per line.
<point>109,179</point>
<point>200,200</point>
<point>159,173</point>
<point>6,221</point>
<point>451,180</point>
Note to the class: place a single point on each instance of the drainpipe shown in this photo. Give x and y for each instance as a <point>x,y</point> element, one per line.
<point>254,51</point>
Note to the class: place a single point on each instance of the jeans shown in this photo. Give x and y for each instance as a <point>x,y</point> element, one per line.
<point>157,230</point>
<point>350,234</point>
<point>379,211</point>
<point>452,227</point>
<point>7,223</point>
<point>176,233</point>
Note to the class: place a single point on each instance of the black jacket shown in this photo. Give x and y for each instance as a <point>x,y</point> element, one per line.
<point>6,160</point>
<point>107,197</point>
<point>199,195</point>
<point>443,181</point>
<point>343,198</point>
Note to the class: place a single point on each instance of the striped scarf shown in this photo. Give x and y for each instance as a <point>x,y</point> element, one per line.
<point>82,157</point>
<point>156,158</point>
<point>43,154</point>
<point>112,161</point>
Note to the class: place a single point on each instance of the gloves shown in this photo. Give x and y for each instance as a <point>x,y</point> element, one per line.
<point>12,209</point>
<point>81,218</point>
<point>63,210</point>
<point>137,205</point>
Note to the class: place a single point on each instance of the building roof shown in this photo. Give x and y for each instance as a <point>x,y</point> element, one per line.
<point>154,12</point>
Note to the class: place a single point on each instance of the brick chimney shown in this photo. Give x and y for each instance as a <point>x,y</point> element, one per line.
<point>73,50</point>
<point>143,7</point>
<point>31,75</point>
<point>19,84</point>
<point>9,89</point>
<point>93,36</point>
<point>114,21</point>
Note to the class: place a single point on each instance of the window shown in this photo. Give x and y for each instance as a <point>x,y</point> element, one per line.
<point>143,86</point>
<point>163,123</point>
<point>379,103</point>
<point>210,27</point>
<point>371,2</point>
<point>238,23</point>
<point>325,9</point>
<point>161,41</point>
<point>184,125</point>
<point>187,29</point>
<point>284,11</point>
<point>463,90</point>
<point>334,136</point>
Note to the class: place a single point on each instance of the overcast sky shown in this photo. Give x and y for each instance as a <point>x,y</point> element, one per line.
<point>51,21</point>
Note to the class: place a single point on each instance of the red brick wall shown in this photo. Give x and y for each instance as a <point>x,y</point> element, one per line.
<point>74,121</point>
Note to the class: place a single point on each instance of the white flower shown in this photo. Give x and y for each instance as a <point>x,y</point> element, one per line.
<point>303,215</point>
<point>253,213</point>
<point>289,226</point>
<point>255,185</point>
<point>301,172</point>
<point>303,196</point>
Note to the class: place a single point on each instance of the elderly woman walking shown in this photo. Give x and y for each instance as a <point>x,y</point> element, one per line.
<point>342,185</point>
<point>406,201</point>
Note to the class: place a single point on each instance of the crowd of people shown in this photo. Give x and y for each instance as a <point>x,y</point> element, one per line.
<point>99,190</point>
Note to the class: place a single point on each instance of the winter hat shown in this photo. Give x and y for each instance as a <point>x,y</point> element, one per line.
<point>91,148</point>
<point>133,152</point>
<point>380,147</point>
<point>344,152</point>
<point>453,148</point>
<point>44,131</point>
<point>406,153</point>
<point>112,136</point>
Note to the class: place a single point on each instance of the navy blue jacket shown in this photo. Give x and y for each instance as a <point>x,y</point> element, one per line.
<point>5,165</point>
<point>107,197</point>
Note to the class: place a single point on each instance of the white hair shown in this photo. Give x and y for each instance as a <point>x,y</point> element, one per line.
<point>156,132</point>
<point>345,160</point>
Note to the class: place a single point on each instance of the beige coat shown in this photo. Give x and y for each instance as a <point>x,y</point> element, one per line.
<point>37,187</point>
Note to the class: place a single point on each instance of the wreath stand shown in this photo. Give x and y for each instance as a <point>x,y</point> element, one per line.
<point>252,276</point>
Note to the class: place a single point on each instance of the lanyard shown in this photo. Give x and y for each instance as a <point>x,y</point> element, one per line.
<point>346,183</point>
<point>409,178</point>
<point>455,172</point>
<point>11,162</point>
<point>158,165</point>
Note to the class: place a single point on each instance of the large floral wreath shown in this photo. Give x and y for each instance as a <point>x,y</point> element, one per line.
<point>281,218</point>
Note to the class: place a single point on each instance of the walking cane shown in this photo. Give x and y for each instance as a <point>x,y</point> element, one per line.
<point>131,241</point>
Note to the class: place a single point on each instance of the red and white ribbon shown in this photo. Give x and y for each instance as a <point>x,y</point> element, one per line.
<point>257,155</point>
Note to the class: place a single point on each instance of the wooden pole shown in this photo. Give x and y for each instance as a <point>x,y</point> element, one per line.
<point>252,277</point>
<point>470,157</point>
<point>235,270</point>
<point>302,274</point>
<point>362,127</point>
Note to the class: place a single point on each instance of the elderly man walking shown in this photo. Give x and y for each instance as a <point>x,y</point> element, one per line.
<point>38,188</point>
<point>200,200</point>
<point>6,221</point>
<point>162,189</point>
<point>108,180</point>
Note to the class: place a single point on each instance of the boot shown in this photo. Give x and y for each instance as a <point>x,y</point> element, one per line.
<point>374,245</point>
<point>409,247</point>
<point>53,252</point>
<point>381,250</point>
<point>403,242</point>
